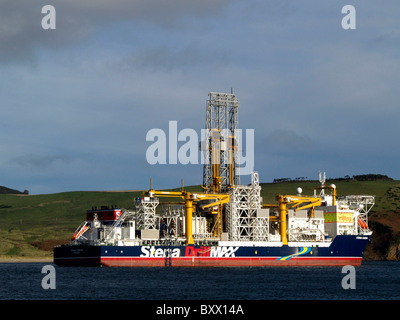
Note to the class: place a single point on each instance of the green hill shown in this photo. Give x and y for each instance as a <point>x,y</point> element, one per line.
<point>30,225</point>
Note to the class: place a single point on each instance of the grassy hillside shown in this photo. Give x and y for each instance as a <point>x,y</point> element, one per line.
<point>29,222</point>
<point>30,225</point>
<point>378,188</point>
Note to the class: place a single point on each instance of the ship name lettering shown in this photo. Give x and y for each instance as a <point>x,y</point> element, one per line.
<point>223,251</point>
<point>152,252</point>
<point>203,251</point>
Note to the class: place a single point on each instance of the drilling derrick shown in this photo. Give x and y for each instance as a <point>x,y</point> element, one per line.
<point>220,143</point>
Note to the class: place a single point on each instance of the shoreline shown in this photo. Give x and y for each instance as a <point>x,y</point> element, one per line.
<point>25,260</point>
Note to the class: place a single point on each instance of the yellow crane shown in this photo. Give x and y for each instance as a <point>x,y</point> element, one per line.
<point>192,198</point>
<point>298,203</point>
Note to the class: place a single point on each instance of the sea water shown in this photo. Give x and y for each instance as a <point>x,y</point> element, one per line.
<point>373,281</point>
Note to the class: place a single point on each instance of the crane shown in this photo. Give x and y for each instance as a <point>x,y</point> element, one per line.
<point>299,203</point>
<point>192,198</point>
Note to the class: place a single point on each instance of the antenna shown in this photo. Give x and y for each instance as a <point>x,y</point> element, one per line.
<point>322,179</point>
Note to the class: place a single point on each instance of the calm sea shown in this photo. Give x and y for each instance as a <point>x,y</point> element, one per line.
<point>374,280</point>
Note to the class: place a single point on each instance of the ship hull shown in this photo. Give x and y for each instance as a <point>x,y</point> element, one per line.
<point>344,250</point>
<point>230,262</point>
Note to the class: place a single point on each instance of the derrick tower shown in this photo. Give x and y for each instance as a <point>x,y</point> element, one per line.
<point>220,145</point>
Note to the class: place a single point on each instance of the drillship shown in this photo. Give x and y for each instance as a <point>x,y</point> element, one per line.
<point>226,224</point>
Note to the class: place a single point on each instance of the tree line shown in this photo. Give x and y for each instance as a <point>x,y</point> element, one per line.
<point>360,177</point>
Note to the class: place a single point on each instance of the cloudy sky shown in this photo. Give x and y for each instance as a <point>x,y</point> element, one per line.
<point>77,102</point>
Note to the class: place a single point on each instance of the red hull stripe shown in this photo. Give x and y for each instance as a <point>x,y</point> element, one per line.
<point>237,261</point>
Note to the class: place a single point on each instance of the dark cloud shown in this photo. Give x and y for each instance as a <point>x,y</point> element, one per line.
<point>39,161</point>
<point>166,59</point>
<point>21,33</point>
<point>281,139</point>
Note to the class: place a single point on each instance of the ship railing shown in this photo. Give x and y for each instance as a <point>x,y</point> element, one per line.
<point>204,236</point>
<point>320,236</point>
